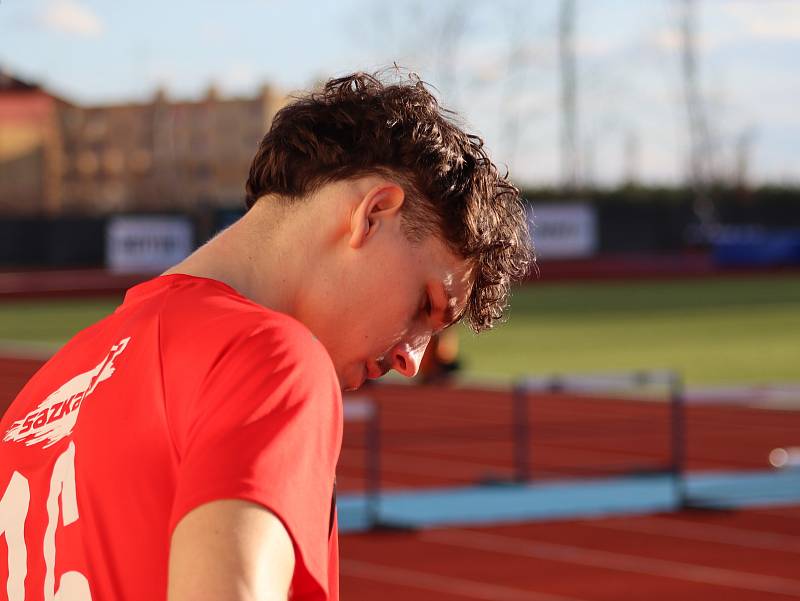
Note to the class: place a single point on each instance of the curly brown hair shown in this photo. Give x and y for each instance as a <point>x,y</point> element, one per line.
<point>358,125</point>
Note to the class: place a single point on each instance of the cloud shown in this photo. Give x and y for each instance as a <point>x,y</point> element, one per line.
<point>774,20</point>
<point>735,21</point>
<point>671,39</point>
<point>70,17</point>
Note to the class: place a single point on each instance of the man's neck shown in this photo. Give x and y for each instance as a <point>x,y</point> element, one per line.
<point>251,257</point>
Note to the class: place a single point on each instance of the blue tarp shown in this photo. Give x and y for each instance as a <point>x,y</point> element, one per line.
<point>743,247</point>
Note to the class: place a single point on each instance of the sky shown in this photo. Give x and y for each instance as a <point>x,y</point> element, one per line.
<point>496,63</point>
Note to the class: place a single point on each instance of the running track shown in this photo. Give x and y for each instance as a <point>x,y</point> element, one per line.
<point>450,436</point>
<point>444,436</point>
<point>752,555</point>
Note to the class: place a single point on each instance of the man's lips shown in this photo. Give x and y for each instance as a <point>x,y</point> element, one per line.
<point>374,371</point>
<point>369,371</point>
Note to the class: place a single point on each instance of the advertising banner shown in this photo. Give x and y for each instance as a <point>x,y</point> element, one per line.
<point>564,230</point>
<point>147,244</point>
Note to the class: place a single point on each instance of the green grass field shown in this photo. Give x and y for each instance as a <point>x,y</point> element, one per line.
<point>722,331</point>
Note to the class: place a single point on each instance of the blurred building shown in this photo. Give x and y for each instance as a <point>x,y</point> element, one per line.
<point>57,157</point>
<point>31,150</point>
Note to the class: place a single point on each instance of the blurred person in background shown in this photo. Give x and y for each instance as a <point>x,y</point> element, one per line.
<point>185,446</point>
<point>440,364</point>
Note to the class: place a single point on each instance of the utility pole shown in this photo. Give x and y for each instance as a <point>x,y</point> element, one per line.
<point>700,159</point>
<point>588,177</point>
<point>632,155</point>
<point>569,84</point>
<point>511,121</point>
<point>452,23</point>
<point>744,151</point>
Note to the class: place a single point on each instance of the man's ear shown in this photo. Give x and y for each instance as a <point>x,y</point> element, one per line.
<point>381,202</point>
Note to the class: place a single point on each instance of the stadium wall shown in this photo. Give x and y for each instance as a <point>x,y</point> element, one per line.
<point>629,222</point>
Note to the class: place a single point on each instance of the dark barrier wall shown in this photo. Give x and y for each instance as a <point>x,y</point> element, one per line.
<point>628,227</point>
<point>72,242</point>
<point>68,242</point>
<point>20,242</point>
<point>663,219</point>
<point>770,207</point>
<point>629,220</point>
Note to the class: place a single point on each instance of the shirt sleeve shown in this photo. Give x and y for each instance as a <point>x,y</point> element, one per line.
<point>264,424</point>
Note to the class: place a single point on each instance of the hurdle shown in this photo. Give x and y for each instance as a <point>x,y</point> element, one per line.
<point>667,381</point>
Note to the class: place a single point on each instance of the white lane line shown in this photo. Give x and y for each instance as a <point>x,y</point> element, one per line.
<point>714,533</point>
<point>614,561</point>
<point>469,589</point>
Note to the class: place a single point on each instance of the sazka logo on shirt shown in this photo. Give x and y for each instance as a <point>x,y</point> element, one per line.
<point>55,417</point>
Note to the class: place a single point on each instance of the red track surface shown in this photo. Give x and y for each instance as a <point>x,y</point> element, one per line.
<point>751,555</point>
<point>447,436</point>
<point>438,436</point>
<point>14,373</point>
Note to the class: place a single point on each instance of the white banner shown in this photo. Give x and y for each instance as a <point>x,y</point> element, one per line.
<point>148,244</point>
<point>563,230</point>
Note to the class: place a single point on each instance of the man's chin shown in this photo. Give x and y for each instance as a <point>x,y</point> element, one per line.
<point>353,381</point>
<point>352,387</point>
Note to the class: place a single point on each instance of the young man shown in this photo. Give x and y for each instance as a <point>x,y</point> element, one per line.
<point>185,446</point>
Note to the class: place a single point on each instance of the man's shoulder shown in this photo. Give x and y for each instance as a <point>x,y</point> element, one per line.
<point>207,321</point>
<point>211,309</point>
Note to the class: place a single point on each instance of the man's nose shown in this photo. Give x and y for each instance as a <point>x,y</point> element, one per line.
<point>406,358</point>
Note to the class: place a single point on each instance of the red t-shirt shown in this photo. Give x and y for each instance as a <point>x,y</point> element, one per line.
<point>187,393</point>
